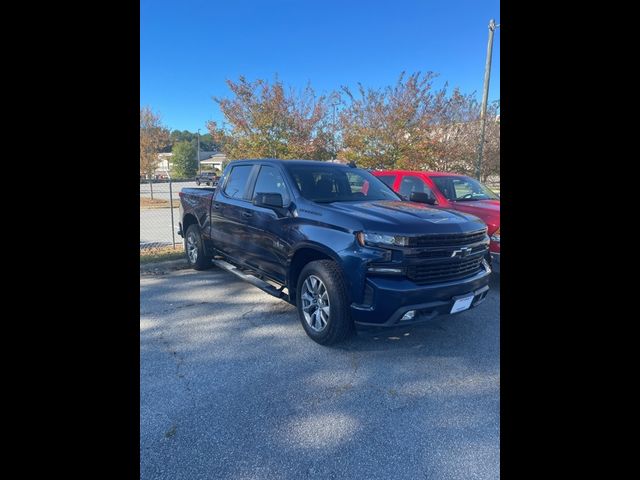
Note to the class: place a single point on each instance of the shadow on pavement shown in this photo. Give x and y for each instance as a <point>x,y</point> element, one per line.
<point>231,387</point>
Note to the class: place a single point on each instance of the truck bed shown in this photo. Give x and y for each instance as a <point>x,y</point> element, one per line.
<point>196,201</point>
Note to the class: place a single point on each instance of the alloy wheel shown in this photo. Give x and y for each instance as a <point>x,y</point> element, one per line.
<point>192,248</point>
<point>315,303</point>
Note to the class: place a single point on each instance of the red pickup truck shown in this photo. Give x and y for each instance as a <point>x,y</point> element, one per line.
<point>454,191</point>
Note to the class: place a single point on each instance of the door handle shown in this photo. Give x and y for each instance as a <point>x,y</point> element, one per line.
<point>247,214</point>
<point>216,205</point>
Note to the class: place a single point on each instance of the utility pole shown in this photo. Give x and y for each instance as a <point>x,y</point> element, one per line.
<point>335,141</point>
<point>485,95</point>
<point>198,155</point>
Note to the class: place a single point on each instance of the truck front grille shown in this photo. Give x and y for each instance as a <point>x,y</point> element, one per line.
<point>452,269</point>
<point>441,240</point>
<point>442,252</point>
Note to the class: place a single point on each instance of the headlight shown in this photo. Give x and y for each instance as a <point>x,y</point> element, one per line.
<point>496,235</point>
<point>381,239</point>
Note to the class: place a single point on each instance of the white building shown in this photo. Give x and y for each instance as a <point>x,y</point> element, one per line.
<point>206,158</point>
<point>213,161</point>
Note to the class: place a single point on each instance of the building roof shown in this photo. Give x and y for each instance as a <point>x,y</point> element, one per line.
<point>214,159</point>
<point>204,155</point>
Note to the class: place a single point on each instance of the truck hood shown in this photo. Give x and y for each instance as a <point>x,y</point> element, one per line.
<point>398,217</point>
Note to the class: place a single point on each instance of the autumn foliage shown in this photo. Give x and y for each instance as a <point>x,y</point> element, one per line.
<point>154,137</point>
<point>268,120</point>
<point>410,125</point>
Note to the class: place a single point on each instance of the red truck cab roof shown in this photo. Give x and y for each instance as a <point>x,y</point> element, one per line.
<point>418,172</point>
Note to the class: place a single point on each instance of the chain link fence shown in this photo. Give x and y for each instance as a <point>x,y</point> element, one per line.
<point>159,215</point>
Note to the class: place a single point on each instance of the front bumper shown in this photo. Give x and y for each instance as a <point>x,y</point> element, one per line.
<point>391,298</point>
<point>495,262</point>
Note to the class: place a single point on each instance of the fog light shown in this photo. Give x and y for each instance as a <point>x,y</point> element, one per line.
<point>384,270</point>
<point>408,316</point>
<point>486,265</point>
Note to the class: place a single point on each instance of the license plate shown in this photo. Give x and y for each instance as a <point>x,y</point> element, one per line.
<point>462,304</point>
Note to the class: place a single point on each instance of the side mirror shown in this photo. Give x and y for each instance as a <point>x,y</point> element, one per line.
<point>422,198</point>
<point>268,200</point>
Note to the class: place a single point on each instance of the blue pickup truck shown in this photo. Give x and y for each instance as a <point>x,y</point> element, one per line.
<point>337,243</point>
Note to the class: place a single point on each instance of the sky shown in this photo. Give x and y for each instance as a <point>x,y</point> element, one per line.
<point>189,48</point>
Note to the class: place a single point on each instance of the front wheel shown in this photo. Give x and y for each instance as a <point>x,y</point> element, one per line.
<point>322,303</point>
<point>194,249</point>
<point>198,182</point>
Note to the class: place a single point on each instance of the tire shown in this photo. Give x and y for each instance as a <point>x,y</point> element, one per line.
<point>198,182</point>
<point>195,256</point>
<point>332,324</point>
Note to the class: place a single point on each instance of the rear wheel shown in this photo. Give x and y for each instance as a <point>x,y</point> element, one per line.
<point>198,182</point>
<point>194,249</point>
<point>322,303</point>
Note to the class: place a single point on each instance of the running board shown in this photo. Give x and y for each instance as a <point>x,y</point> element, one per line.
<point>255,281</point>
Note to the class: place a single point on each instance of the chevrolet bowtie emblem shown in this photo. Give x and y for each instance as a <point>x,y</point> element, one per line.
<point>462,252</point>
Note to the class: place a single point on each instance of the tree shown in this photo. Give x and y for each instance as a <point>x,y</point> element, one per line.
<point>185,162</point>
<point>458,135</point>
<point>206,141</point>
<point>457,132</point>
<point>410,125</point>
<point>386,128</point>
<point>415,127</point>
<point>181,136</point>
<point>266,120</point>
<point>491,153</point>
<point>154,137</point>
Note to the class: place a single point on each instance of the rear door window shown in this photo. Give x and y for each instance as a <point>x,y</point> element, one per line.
<point>237,182</point>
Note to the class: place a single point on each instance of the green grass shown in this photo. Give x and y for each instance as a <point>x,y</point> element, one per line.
<point>161,254</point>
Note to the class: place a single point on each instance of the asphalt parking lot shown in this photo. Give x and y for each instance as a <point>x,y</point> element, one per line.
<point>232,388</point>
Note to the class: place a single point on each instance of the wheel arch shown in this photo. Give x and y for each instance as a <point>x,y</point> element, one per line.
<point>188,220</point>
<point>302,255</point>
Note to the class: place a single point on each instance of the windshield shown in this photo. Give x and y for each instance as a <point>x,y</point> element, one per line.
<point>327,183</point>
<point>463,189</point>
